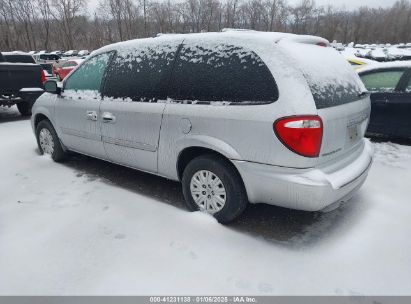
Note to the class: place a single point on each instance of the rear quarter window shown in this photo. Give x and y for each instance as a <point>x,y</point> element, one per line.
<point>331,79</point>
<point>208,72</point>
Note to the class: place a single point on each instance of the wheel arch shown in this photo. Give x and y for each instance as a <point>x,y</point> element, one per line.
<point>189,153</point>
<point>39,117</point>
<point>189,147</point>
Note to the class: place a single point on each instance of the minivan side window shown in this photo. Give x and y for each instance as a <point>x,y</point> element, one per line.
<point>382,81</point>
<point>89,75</point>
<point>221,72</point>
<point>141,73</point>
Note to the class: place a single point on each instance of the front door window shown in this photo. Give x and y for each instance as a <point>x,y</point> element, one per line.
<point>89,75</point>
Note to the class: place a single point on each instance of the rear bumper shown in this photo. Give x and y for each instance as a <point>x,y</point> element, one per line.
<point>306,189</point>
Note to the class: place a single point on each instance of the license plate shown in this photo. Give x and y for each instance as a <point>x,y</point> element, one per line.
<point>353,133</point>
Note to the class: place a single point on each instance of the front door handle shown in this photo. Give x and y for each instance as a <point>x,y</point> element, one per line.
<point>108,117</point>
<point>91,115</point>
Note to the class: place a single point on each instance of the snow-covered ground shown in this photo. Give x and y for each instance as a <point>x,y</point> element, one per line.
<point>89,227</point>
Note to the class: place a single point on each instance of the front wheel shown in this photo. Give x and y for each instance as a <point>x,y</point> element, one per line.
<point>48,141</point>
<point>213,185</point>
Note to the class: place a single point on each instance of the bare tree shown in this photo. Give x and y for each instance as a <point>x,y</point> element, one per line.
<point>43,7</point>
<point>66,24</point>
<point>66,12</point>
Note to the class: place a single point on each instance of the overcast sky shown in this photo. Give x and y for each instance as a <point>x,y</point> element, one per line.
<point>338,3</point>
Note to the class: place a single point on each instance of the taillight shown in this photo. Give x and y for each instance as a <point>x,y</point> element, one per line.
<point>300,134</point>
<point>43,77</point>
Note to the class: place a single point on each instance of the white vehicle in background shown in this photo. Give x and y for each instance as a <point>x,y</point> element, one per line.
<point>378,54</point>
<point>57,53</point>
<point>70,53</point>
<point>83,53</point>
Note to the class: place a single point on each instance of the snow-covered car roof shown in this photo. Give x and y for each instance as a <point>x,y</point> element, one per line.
<point>244,35</point>
<point>385,65</point>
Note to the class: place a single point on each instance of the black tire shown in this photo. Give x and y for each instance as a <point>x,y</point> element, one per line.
<point>58,153</point>
<point>25,107</point>
<point>236,196</point>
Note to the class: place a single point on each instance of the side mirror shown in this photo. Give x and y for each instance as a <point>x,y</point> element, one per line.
<point>50,86</point>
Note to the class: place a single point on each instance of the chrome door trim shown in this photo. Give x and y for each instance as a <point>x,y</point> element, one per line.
<point>81,134</point>
<point>128,144</point>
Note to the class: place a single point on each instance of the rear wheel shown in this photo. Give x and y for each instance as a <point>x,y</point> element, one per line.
<point>48,141</point>
<point>25,107</point>
<point>213,185</point>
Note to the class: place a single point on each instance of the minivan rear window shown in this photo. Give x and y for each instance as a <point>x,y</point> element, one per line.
<point>221,72</point>
<point>330,77</point>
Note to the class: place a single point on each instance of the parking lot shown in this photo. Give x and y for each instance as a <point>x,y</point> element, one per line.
<point>90,227</point>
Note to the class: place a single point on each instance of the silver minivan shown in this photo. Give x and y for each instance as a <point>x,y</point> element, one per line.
<point>237,117</point>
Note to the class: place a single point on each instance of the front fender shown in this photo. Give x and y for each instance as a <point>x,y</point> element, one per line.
<point>44,105</point>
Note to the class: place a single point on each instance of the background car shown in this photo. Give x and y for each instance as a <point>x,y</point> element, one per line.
<point>390,87</point>
<point>359,63</point>
<point>47,61</point>
<point>83,53</point>
<point>21,81</point>
<point>18,57</point>
<point>46,58</point>
<point>70,53</point>
<point>62,71</point>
